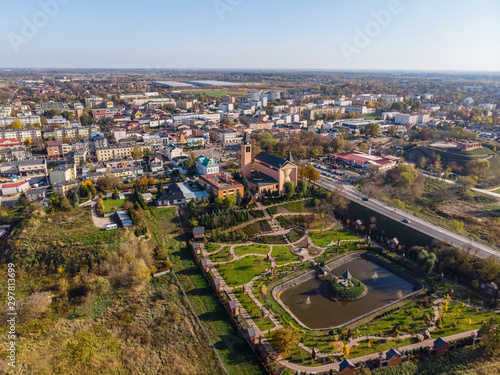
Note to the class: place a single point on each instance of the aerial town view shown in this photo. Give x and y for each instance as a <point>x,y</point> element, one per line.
<point>250,187</point>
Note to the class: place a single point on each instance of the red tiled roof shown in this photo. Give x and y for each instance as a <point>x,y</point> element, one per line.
<point>14,184</point>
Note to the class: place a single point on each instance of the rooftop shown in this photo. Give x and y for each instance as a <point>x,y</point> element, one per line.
<point>271,160</point>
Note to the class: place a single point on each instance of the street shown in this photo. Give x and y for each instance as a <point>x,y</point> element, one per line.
<point>416,223</point>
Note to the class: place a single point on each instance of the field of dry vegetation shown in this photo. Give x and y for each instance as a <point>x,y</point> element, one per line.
<point>87,304</point>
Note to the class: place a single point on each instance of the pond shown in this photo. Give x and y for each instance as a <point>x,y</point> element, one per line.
<point>311,302</point>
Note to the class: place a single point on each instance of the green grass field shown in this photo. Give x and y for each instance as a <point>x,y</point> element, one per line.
<point>294,206</point>
<point>221,256</point>
<point>325,237</point>
<point>253,310</point>
<point>282,255</point>
<point>112,205</point>
<point>251,249</point>
<point>243,270</point>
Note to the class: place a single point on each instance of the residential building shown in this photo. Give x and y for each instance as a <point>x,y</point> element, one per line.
<point>171,196</point>
<point>54,149</point>
<point>37,193</point>
<point>360,109</point>
<point>15,188</point>
<point>9,143</point>
<point>21,134</point>
<point>63,173</point>
<point>24,168</point>
<point>118,153</point>
<point>220,185</point>
<point>62,188</point>
<point>206,165</point>
<point>173,152</point>
<point>228,137</point>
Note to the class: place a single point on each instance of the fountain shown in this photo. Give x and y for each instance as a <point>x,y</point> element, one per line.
<point>318,310</point>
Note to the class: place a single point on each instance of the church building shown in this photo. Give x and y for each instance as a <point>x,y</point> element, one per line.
<point>269,172</point>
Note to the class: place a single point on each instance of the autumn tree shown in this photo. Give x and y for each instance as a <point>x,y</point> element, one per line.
<point>283,340</point>
<point>136,152</point>
<point>140,272</point>
<point>309,172</point>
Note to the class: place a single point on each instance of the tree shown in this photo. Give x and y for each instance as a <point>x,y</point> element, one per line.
<point>27,142</point>
<point>136,152</point>
<point>283,340</point>
<point>146,152</point>
<point>16,124</point>
<point>372,129</point>
<point>338,143</point>
<point>479,168</point>
<point>108,182</point>
<point>392,131</point>
<point>491,335</point>
<point>140,272</point>
<point>230,201</point>
<point>309,172</point>
<point>301,188</point>
<point>141,185</point>
<point>346,351</point>
<point>100,206</point>
<point>191,164</point>
<point>219,202</point>
<point>465,183</point>
<point>422,162</point>
<point>289,189</point>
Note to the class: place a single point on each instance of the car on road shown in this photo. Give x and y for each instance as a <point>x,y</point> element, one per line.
<point>365,198</point>
<point>406,220</point>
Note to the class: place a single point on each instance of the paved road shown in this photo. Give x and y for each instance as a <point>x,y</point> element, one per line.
<point>416,223</point>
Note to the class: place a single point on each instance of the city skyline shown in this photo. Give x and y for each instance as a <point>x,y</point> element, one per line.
<point>233,34</point>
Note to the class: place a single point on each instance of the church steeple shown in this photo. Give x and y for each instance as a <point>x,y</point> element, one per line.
<point>246,156</point>
<point>289,158</point>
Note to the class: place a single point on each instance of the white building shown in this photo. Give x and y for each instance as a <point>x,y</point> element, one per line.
<point>359,109</point>
<point>206,165</point>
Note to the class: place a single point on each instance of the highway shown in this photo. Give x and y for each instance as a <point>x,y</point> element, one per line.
<point>416,223</point>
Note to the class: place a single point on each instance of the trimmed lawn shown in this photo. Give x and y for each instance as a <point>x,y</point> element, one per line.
<point>212,247</point>
<point>294,206</point>
<point>325,237</point>
<point>251,249</point>
<point>243,270</point>
<point>410,319</point>
<point>282,255</point>
<point>112,205</point>
<point>295,234</point>
<point>456,319</point>
<point>221,256</point>
<point>254,311</point>
<point>377,346</point>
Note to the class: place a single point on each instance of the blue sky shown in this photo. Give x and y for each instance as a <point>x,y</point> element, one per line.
<point>252,34</point>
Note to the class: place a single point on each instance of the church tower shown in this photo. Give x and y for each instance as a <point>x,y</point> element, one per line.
<point>246,156</point>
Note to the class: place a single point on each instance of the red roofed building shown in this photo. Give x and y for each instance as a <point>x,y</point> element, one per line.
<point>15,187</point>
<point>364,161</point>
<point>9,143</point>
